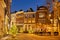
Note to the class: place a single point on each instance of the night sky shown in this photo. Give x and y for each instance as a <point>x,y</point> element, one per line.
<point>26,4</point>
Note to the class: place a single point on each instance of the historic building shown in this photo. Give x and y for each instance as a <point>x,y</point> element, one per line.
<point>29,21</point>
<point>7,15</point>
<point>56,13</point>
<point>40,21</point>
<point>42,16</point>
<point>20,20</point>
<point>24,20</point>
<point>59,16</point>
<point>56,7</point>
<point>2,12</point>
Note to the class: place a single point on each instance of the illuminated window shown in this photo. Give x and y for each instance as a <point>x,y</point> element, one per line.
<point>26,16</point>
<point>41,15</point>
<point>49,15</point>
<point>25,21</point>
<point>29,21</point>
<point>33,20</point>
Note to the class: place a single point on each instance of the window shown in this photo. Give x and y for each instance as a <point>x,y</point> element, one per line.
<point>32,16</point>
<point>41,15</point>
<point>33,20</point>
<point>29,21</point>
<point>19,14</point>
<point>26,16</point>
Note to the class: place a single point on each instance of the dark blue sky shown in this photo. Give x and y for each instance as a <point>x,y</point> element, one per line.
<point>26,4</point>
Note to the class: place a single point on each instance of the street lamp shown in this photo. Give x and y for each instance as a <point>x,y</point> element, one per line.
<point>49,15</point>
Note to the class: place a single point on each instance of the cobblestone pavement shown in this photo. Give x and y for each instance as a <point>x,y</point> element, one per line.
<point>23,36</point>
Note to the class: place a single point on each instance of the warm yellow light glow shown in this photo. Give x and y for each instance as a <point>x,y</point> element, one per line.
<point>49,15</point>
<point>51,20</point>
<point>59,18</point>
